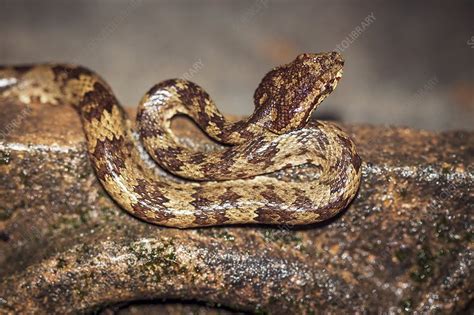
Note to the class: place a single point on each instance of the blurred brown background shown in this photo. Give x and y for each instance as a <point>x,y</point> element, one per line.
<point>407,62</point>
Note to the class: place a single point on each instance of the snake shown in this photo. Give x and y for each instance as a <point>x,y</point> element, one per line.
<point>236,183</point>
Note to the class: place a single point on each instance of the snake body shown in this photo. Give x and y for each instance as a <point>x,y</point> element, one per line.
<point>233,185</point>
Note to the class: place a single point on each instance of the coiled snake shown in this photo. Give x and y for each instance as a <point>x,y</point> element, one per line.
<point>234,185</point>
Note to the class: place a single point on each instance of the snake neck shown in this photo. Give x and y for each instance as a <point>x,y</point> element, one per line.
<point>286,97</point>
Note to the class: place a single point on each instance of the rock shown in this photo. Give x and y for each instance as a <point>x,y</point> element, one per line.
<point>404,244</point>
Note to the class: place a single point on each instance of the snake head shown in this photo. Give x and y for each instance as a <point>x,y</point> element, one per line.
<point>288,94</point>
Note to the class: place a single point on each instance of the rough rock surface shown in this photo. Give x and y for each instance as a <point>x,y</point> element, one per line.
<point>404,245</point>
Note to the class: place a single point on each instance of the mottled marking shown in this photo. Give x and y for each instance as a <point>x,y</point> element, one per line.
<point>233,185</point>
<point>89,105</point>
<point>101,153</point>
<point>273,214</point>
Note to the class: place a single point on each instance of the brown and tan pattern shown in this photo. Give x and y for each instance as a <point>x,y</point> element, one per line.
<point>235,185</point>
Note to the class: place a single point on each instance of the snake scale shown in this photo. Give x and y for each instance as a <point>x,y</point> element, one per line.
<point>232,185</point>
